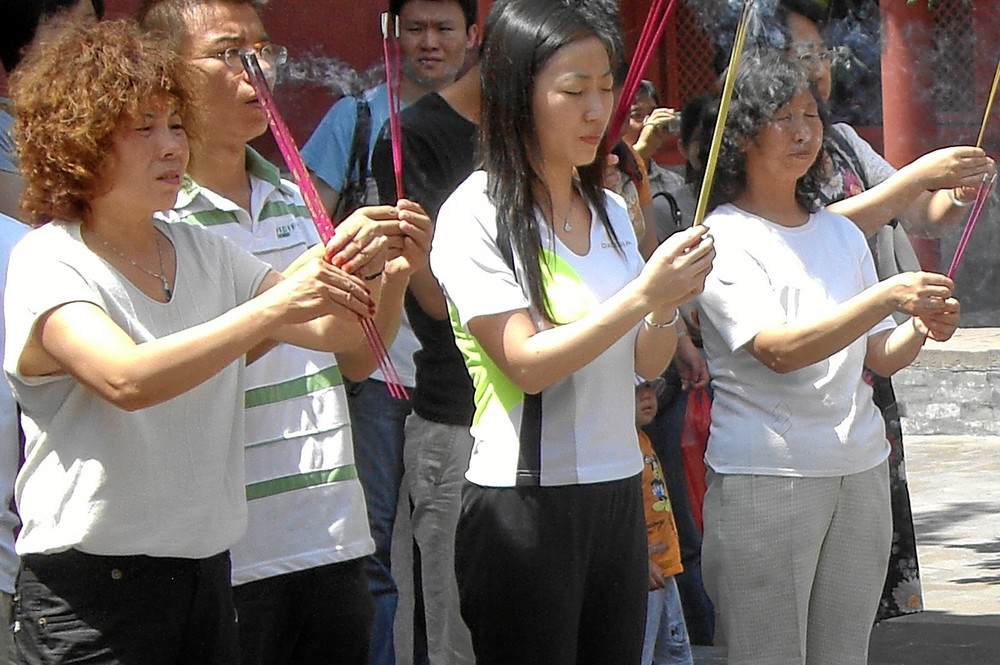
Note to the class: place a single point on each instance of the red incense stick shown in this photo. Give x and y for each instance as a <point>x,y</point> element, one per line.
<point>391,55</point>
<point>652,32</point>
<point>985,189</point>
<point>290,152</point>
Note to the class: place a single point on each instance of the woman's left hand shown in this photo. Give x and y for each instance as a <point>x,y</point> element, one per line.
<point>691,365</point>
<point>939,326</point>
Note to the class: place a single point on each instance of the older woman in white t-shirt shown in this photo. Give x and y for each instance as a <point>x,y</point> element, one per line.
<point>126,344</point>
<point>797,521</point>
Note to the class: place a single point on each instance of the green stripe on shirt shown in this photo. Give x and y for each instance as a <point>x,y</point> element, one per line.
<point>300,481</point>
<point>300,387</point>
<point>211,217</point>
<point>279,208</point>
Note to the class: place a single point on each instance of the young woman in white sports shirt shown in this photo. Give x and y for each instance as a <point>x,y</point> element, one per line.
<point>555,313</point>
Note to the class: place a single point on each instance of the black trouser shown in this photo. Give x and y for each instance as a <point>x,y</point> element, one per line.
<point>73,607</point>
<point>554,575</point>
<point>318,616</point>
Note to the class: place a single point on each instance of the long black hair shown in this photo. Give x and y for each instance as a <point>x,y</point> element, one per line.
<point>523,37</point>
<point>767,80</point>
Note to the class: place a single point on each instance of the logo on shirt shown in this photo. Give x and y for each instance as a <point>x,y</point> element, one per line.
<point>284,231</point>
<point>611,244</point>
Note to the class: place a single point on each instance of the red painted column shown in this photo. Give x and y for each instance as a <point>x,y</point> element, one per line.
<point>908,121</point>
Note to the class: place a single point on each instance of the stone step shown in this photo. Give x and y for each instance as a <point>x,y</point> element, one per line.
<point>953,387</point>
<point>930,638</point>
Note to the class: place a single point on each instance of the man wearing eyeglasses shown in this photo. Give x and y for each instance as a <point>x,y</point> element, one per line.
<point>299,586</point>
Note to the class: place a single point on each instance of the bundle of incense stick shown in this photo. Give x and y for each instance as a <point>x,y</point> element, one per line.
<point>652,31</point>
<point>290,152</point>
<point>720,121</point>
<point>391,54</point>
<point>985,189</point>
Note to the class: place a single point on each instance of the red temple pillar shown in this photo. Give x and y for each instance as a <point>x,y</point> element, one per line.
<point>908,118</point>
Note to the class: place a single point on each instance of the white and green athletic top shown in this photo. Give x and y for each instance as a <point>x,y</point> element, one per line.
<point>588,419</point>
<point>306,505</point>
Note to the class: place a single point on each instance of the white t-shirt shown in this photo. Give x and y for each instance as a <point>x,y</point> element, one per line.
<point>166,480</point>
<point>588,419</point>
<point>816,421</point>
<point>11,231</point>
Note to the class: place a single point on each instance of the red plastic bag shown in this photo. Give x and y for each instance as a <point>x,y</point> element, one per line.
<point>694,439</point>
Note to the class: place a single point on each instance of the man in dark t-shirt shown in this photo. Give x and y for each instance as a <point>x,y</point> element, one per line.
<point>439,139</point>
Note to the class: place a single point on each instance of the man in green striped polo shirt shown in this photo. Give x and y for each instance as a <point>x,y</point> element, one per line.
<point>299,585</point>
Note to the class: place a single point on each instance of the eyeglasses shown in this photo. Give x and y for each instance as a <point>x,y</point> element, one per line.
<point>272,54</point>
<point>811,55</point>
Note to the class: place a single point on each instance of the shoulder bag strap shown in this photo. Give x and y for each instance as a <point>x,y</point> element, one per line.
<point>356,175</point>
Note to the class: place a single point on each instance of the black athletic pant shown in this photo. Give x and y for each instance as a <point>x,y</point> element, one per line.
<point>554,575</point>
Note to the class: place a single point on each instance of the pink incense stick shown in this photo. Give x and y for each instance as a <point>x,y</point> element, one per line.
<point>391,55</point>
<point>290,152</point>
<point>652,32</point>
<point>985,189</point>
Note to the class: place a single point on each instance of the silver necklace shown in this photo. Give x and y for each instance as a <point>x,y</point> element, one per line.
<point>159,253</point>
<point>567,227</point>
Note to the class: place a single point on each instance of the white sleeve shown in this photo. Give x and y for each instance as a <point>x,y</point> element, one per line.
<point>738,298</point>
<point>465,257</point>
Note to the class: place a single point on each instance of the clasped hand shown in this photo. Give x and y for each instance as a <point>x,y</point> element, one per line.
<point>396,239</point>
<point>927,297</point>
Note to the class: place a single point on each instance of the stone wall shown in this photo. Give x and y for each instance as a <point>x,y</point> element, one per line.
<point>954,388</point>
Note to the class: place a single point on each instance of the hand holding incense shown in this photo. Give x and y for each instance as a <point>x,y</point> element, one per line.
<point>290,152</point>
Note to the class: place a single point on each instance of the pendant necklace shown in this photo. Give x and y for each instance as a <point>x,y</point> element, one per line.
<point>159,253</point>
<point>567,227</point>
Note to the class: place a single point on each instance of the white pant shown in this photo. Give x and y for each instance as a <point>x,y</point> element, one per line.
<point>666,639</point>
<point>795,566</point>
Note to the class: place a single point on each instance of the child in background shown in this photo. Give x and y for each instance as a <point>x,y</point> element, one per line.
<point>666,638</point>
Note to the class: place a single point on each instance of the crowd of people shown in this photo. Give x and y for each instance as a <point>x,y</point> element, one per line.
<point>210,467</point>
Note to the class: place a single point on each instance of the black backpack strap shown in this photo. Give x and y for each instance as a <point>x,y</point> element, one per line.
<point>529,454</point>
<point>356,175</point>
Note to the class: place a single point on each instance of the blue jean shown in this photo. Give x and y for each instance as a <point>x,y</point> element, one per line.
<point>666,639</point>
<point>377,421</point>
<point>665,433</point>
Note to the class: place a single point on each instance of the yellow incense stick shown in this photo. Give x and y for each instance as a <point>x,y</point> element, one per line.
<point>989,106</point>
<point>720,121</point>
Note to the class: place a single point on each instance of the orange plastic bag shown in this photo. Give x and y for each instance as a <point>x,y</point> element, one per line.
<point>694,439</point>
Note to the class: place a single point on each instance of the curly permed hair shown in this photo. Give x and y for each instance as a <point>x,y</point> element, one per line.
<point>767,80</point>
<point>69,99</point>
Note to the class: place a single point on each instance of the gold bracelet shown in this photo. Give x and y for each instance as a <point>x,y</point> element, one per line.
<point>670,324</point>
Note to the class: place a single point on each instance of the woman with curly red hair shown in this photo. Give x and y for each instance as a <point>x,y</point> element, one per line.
<point>127,340</point>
